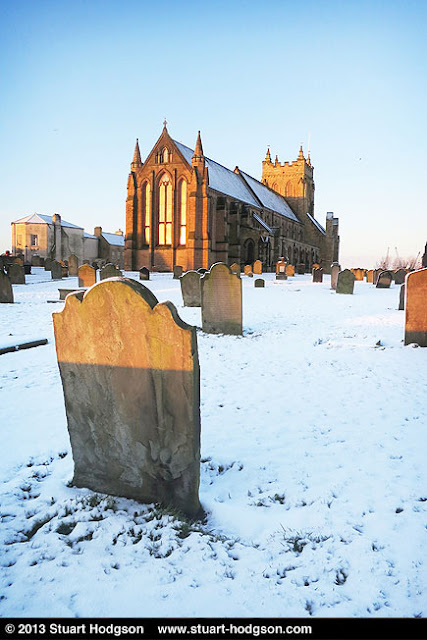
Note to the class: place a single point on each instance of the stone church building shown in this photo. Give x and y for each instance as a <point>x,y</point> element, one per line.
<point>184,208</point>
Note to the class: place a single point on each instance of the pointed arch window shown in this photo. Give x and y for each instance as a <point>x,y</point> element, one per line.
<point>183,212</point>
<point>146,190</point>
<point>165,210</point>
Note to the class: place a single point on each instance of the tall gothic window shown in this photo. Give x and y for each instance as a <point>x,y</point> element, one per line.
<point>146,189</point>
<point>183,213</point>
<point>165,210</point>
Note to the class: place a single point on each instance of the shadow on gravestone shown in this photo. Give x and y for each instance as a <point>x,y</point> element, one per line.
<point>132,394</point>
<point>416,308</point>
<point>221,300</point>
<point>345,282</point>
<point>191,289</point>
<point>6,291</point>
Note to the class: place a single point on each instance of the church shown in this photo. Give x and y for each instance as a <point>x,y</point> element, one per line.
<point>185,209</point>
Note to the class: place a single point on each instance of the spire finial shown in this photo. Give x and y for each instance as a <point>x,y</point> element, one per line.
<point>165,122</point>
<point>301,153</point>
<point>267,155</point>
<point>136,161</point>
<point>198,151</point>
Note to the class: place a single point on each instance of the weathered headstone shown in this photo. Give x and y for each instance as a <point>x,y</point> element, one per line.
<point>248,269</point>
<point>335,269</point>
<point>36,261</point>
<point>6,291</point>
<point>144,273</point>
<point>16,274</point>
<point>110,271</point>
<point>370,276</point>
<point>290,270</point>
<point>402,298</point>
<point>375,275</point>
<point>416,308</point>
<point>190,289</point>
<point>47,264</point>
<point>235,268</point>
<point>87,275</point>
<point>56,270</point>
<point>399,276</point>
<point>73,265</point>
<point>281,269</point>
<point>316,265</point>
<point>257,268</point>
<point>132,394</point>
<point>301,269</point>
<point>221,301</point>
<point>177,271</point>
<point>345,281</point>
<point>259,283</point>
<point>27,268</point>
<point>384,280</point>
<point>317,275</point>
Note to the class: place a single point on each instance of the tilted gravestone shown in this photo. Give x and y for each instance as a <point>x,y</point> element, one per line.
<point>402,298</point>
<point>16,274</point>
<point>144,273</point>
<point>335,269</point>
<point>257,268</point>
<point>177,271</point>
<point>87,275</point>
<point>73,265</point>
<point>384,280</point>
<point>191,289</point>
<point>6,291</point>
<point>259,283</point>
<point>416,308</point>
<point>345,281</point>
<point>317,274</point>
<point>110,271</point>
<point>132,394</point>
<point>235,268</point>
<point>56,270</point>
<point>399,276</point>
<point>221,300</point>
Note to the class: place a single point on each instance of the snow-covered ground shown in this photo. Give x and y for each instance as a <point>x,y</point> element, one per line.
<point>313,472</point>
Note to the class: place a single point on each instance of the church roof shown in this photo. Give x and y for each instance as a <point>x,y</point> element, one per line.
<point>40,218</point>
<point>316,224</point>
<point>241,186</point>
<point>115,239</point>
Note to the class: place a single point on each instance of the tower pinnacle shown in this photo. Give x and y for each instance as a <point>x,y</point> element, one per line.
<point>136,161</point>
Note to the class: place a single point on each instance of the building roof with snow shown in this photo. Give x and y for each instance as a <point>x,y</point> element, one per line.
<point>40,218</point>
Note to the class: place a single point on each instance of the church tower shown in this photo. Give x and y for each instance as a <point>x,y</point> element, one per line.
<point>294,180</point>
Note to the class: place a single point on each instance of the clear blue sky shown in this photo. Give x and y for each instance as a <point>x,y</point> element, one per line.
<point>81,80</point>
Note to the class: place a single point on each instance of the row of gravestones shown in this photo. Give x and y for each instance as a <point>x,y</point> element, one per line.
<point>132,395</point>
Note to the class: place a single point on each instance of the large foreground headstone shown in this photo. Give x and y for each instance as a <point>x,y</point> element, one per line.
<point>87,275</point>
<point>416,308</point>
<point>6,291</point>
<point>132,394</point>
<point>221,300</point>
<point>345,281</point>
<point>16,274</point>
<point>190,289</point>
<point>110,271</point>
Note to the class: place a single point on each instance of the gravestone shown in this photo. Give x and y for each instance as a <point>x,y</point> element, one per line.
<point>301,269</point>
<point>257,268</point>
<point>16,274</point>
<point>416,308</point>
<point>221,300</point>
<point>73,265</point>
<point>110,271</point>
<point>317,275</point>
<point>6,291</point>
<point>335,269</point>
<point>56,270</point>
<point>144,273</point>
<point>290,270</point>
<point>359,274</point>
<point>402,298</point>
<point>399,276</point>
<point>131,386</point>
<point>375,275</point>
<point>259,283</point>
<point>27,268</point>
<point>345,281</point>
<point>87,275</point>
<point>370,276</point>
<point>384,280</point>
<point>247,269</point>
<point>47,264</point>
<point>235,268</point>
<point>190,289</point>
<point>281,269</point>
<point>177,271</point>
<point>36,261</point>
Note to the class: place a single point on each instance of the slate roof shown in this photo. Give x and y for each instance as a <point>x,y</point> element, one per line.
<point>114,239</point>
<point>40,218</point>
<point>316,224</point>
<point>241,186</point>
